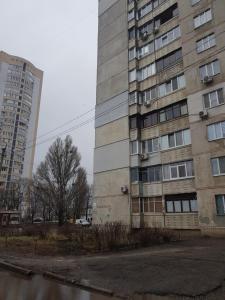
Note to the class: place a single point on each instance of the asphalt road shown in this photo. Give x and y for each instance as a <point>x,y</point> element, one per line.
<point>186,269</point>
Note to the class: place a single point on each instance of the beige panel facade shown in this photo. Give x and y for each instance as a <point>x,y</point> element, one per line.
<point>172,181</point>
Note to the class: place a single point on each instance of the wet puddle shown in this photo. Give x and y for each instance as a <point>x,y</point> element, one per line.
<point>15,287</point>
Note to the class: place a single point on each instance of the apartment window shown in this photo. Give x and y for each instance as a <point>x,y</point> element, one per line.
<point>193,2</point>
<point>132,75</point>
<point>132,53</point>
<point>145,29</point>
<point>134,147</point>
<point>176,139</point>
<point>146,49</point>
<point>206,43</point>
<point>150,146</point>
<point>216,131</point>
<point>150,94</point>
<point>203,18</point>
<point>151,174</point>
<point>146,72</point>
<point>181,203</point>
<point>152,204</point>
<point>165,16</point>
<point>133,98</point>
<point>173,111</point>
<point>168,60</point>
<point>144,10</point>
<point>150,120</point>
<point>156,3</point>
<point>133,122</point>
<point>213,98</point>
<point>210,69</point>
<point>172,85</point>
<point>131,15</point>
<point>167,37</point>
<point>135,205</point>
<point>220,205</point>
<point>178,171</point>
<point>132,33</point>
<point>218,165</point>
<point>134,172</point>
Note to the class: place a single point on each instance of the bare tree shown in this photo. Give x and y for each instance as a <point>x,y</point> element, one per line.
<point>57,174</point>
<point>79,195</point>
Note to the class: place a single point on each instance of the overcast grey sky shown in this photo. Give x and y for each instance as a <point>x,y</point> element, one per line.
<point>59,37</point>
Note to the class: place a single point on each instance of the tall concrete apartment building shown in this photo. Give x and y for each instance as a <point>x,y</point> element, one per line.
<point>160,114</point>
<point>20,94</point>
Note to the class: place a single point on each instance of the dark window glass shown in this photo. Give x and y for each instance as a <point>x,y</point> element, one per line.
<point>168,60</point>
<point>162,116</point>
<point>171,140</point>
<point>131,33</point>
<point>169,113</point>
<point>134,174</point>
<point>220,205</point>
<point>220,96</point>
<point>133,122</point>
<point>222,165</point>
<point>144,175</point>
<point>176,111</point>
<point>174,84</point>
<point>182,171</point>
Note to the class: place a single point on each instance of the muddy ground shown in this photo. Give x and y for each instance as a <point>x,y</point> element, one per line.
<point>186,269</point>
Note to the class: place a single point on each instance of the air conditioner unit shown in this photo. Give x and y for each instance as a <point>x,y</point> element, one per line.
<point>207,79</point>
<point>124,189</point>
<point>203,114</point>
<point>144,156</point>
<point>147,103</point>
<point>156,30</point>
<point>144,35</point>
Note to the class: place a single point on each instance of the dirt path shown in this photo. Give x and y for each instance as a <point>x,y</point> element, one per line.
<point>187,268</point>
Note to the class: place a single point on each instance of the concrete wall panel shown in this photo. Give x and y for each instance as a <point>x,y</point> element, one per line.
<point>112,132</point>
<point>111,157</point>
<point>111,110</point>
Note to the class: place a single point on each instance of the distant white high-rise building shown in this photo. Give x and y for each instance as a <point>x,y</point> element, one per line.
<point>20,94</point>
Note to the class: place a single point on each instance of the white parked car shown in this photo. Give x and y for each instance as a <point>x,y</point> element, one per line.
<point>82,222</point>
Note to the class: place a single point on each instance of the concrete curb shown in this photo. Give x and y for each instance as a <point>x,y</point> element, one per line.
<point>15,268</point>
<point>84,284</point>
<point>58,277</point>
<point>80,284</point>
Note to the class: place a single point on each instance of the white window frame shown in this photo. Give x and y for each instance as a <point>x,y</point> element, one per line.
<point>132,75</point>
<point>217,166</point>
<point>147,71</point>
<point>223,199</point>
<point>152,142</point>
<point>176,166</point>
<point>209,66</point>
<point>137,147</point>
<point>133,100</point>
<point>194,2</point>
<point>131,15</point>
<point>132,54</point>
<point>206,43</point>
<point>175,141</point>
<point>146,50</point>
<point>166,36</point>
<point>203,18</point>
<point>214,130</point>
<point>210,98</point>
